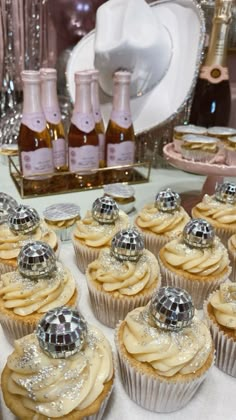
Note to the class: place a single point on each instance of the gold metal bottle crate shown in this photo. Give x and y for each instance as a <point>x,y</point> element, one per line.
<point>67,182</point>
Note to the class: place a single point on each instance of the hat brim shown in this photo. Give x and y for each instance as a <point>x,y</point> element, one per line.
<point>185,22</point>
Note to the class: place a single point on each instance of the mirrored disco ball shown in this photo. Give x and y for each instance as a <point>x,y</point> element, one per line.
<point>7,205</point>
<point>171,308</point>
<point>105,210</point>
<point>226,192</point>
<point>36,259</point>
<point>127,244</point>
<point>23,219</point>
<point>198,233</point>
<point>62,332</point>
<point>167,201</point>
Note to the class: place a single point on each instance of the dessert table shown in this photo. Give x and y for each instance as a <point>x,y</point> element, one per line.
<point>215,398</point>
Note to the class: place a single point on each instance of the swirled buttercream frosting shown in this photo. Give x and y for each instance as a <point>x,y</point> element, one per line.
<point>215,211</point>
<point>223,303</point>
<point>168,352</point>
<point>11,243</point>
<point>204,262</point>
<point>162,223</point>
<point>56,387</point>
<point>126,278</point>
<point>95,234</point>
<point>26,296</point>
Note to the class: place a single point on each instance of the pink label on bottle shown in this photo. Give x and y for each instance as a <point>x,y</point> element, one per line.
<point>59,152</point>
<point>97,115</point>
<point>83,158</point>
<point>121,118</point>
<point>35,121</point>
<point>101,139</point>
<point>53,115</point>
<point>214,74</point>
<point>38,162</point>
<point>84,122</point>
<point>120,154</point>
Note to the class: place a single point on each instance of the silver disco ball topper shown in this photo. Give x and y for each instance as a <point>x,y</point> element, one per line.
<point>36,259</point>
<point>62,332</point>
<point>105,210</point>
<point>127,245</point>
<point>23,219</point>
<point>167,201</point>
<point>171,308</point>
<point>7,205</point>
<point>226,193</point>
<point>198,233</point>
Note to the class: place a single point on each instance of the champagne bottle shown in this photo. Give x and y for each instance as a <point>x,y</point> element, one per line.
<point>53,117</point>
<point>99,123</point>
<point>34,142</point>
<point>120,138</point>
<point>82,138</point>
<point>212,100</point>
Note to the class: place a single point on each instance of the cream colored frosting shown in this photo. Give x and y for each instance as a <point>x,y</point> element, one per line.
<point>25,296</point>
<point>232,243</point>
<point>202,262</point>
<point>200,146</point>
<point>11,243</point>
<point>96,234</point>
<point>223,302</point>
<point>127,278</point>
<point>162,223</point>
<point>223,213</point>
<point>56,387</point>
<point>167,352</point>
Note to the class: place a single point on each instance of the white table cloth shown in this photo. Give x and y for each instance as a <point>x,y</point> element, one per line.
<point>215,398</point>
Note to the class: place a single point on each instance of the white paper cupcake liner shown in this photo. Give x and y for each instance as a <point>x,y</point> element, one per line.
<point>153,393</point>
<point>6,268</point>
<point>110,310</point>
<point>199,290</point>
<point>84,255</point>
<point>64,234</point>
<point>100,413</point>
<point>197,155</point>
<point>14,329</point>
<point>224,235</point>
<point>154,242</point>
<point>225,346</point>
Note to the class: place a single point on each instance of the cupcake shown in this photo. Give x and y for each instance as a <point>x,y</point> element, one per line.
<point>63,370</point>
<point>7,205</point>
<point>39,284</point>
<point>123,194</point>
<point>219,310</point>
<point>197,261</point>
<point>164,351</point>
<point>232,256</point>
<point>219,210</point>
<point>61,218</point>
<point>182,130</point>
<point>23,225</point>
<point>96,230</point>
<point>123,277</point>
<point>162,220</point>
<point>221,133</point>
<point>199,148</point>
<point>230,151</point>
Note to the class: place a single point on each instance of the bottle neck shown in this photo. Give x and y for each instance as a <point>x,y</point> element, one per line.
<point>32,98</point>
<point>95,95</point>
<point>83,98</point>
<point>217,50</point>
<point>49,94</point>
<point>121,100</point>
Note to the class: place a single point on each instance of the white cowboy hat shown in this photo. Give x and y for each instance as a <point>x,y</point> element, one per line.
<point>160,43</point>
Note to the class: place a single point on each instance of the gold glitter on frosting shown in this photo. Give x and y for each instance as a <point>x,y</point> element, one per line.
<point>168,352</point>
<point>203,262</point>
<point>215,211</point>
<point>162,223</point>
<point>223,302</point>
<point>125,277</point>
<point>56,387</point>
<point>95,234</point>
<point>11,243</point>
<point>25,296</point>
